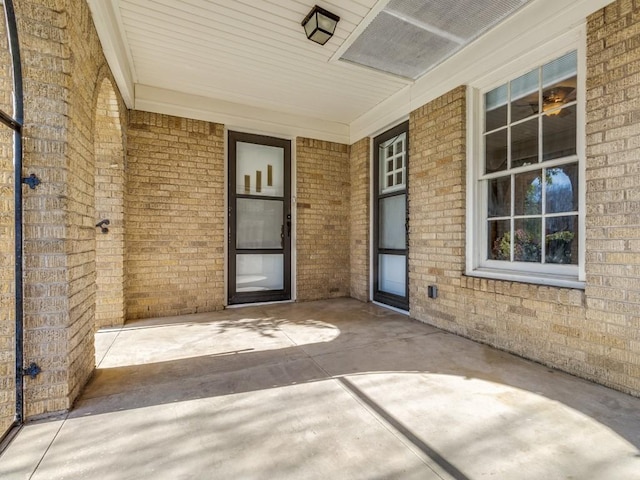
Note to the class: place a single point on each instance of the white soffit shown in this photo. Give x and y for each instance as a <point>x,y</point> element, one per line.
<point>252,53</point>
<point>247,63</point>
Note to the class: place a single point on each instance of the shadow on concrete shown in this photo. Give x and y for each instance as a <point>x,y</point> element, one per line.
<point>319,341</point>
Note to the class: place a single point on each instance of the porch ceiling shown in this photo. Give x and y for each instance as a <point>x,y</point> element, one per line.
<point>248,64</point>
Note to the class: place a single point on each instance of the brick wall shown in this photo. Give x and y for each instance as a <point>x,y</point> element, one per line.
<point>45,58</point>
<point>84,64</point>
<point>7,283</point>
<point>359,218</point>
<point>322,231</point>
<point>437,212</point>
<point>175,216</point>
<point>593,333</point>
<point>109,205</point>
<point>63,68</point>
<point>613,193</point>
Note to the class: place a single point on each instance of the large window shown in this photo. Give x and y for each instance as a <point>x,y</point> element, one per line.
<point>527,176</point>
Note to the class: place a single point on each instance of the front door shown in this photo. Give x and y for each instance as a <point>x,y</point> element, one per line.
<point>391,220</point>
<point>259,219</point>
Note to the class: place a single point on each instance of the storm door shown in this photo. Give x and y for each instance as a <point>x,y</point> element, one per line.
<point>259,219</point>
<point>391,219</point>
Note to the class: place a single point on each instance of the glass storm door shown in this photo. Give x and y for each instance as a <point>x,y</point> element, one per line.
<point>259,219</point>
<point>391,221</point>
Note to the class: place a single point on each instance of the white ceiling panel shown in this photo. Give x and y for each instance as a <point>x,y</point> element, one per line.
<point>253,52</point>
<point>230,59</point>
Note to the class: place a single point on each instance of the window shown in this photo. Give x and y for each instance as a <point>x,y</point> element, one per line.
<point>392,164</point>
<point>527,177</point>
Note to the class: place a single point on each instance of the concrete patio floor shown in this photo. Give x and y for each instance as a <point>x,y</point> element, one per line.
<point>329,390</point>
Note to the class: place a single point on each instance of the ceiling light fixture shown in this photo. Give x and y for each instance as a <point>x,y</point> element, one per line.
<point>320,24</point>
<point>555,98</point>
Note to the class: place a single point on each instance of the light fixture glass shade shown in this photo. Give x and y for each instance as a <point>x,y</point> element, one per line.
<point>320,24</point>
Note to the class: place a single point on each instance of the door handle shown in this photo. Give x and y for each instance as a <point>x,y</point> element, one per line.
<point>289,225</point>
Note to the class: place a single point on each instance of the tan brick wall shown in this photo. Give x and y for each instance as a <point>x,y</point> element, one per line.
<point>613,193</point>
<point>437,211</point>
<point>84,65</point>
<point>63,67</point>
<point>7,244</point>
<point>109,205</point>
<point>322,231</point>
<point>359,218</point>
<point>593,333</point>
<point>45,59</point>
<point>175,216</point>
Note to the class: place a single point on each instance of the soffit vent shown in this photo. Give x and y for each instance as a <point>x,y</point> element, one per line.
<point>410,37</point>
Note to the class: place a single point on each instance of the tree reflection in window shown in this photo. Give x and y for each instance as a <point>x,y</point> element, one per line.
<point>552,203</point>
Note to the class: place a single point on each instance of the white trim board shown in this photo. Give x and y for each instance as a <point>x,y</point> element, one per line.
<point>236,116</point>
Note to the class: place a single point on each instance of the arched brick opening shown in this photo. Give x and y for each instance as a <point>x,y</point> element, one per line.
<point>109,205</point>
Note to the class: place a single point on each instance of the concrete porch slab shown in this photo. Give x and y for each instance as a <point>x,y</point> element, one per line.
<point>329,389</point>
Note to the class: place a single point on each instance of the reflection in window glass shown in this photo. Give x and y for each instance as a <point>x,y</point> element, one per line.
<point>559,133</point>
<point>527,245</point>
<point>500,197</point>
<point>562,189</point>
<point>524,143</point>
<point>496,151</point>
<point>524,96</point>
<point>528,193</point>
<point>561,240</point>
<point>560,69</point>
<point>499,240</point>
<point>495,108</point>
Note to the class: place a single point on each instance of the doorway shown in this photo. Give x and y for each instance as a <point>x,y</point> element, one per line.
<point>260,223</point>
<point>391,218</point>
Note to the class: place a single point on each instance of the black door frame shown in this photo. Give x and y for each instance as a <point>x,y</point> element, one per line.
<point>233,297</point>
<point>379,296</point>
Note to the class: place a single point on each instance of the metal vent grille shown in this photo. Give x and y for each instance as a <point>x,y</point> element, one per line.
<point>410,37</point>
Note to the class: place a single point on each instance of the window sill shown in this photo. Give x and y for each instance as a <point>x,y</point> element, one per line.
<point>564,281</point>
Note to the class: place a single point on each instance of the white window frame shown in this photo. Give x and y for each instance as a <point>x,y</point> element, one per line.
<point>477,264</point>
<point>384,172</point>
